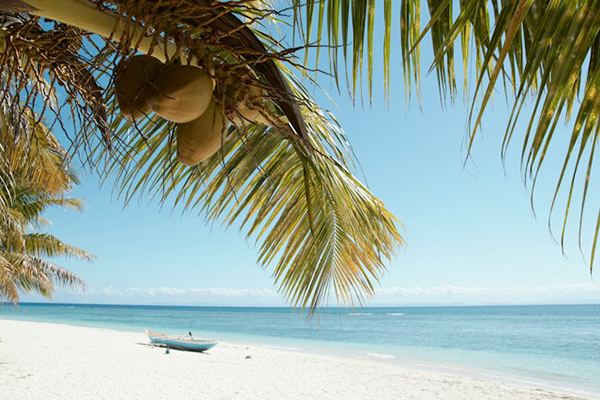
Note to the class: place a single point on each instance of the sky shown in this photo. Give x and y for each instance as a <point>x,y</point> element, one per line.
<point>472,236</point>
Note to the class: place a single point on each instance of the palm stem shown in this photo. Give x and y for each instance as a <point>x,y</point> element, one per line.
<point>84,15</point>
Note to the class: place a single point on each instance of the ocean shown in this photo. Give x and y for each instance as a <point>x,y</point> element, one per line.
<point>553,346</point>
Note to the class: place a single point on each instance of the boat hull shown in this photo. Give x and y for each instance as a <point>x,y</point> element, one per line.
<point>181,345</point>
<point>180,342</point>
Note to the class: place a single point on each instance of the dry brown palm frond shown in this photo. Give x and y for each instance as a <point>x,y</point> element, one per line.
<point>29,149</point>
<point>203,33</point>
<point>23,273</point>
<point>36,62</point>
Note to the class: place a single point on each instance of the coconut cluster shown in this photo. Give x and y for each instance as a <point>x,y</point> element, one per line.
<point>179,93</point>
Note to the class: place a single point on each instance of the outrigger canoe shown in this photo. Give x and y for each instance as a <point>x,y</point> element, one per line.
<point>189,343</point>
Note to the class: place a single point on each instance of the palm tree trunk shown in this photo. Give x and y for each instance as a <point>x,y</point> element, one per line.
<point>86,16</point>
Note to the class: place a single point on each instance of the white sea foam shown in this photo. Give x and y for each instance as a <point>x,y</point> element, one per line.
<point>386,356</point>
<point>395,313</point>
<point>280,347</point>
<point>360,314</point>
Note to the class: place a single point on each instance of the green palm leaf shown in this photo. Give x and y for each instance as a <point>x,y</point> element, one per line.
<point>541,49</point>
<point>45,245</point>
<point>34,166</point>
<point>288,184</point>
<point>323,231</point>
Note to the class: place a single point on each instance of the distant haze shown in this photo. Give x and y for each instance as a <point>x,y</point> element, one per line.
<point>390,296</point>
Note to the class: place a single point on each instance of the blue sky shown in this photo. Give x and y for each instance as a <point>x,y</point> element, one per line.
<point>472,236</point>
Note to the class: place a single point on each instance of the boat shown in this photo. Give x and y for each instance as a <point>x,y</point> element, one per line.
<point>188,342</point>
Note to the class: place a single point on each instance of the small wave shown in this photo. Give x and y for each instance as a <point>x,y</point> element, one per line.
<point>360,314</point>
<point>386,356</point>
<point>280,347</point>
<point>395,313</point>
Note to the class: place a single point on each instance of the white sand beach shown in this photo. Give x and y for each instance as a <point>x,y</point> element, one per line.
<point>53,361</point>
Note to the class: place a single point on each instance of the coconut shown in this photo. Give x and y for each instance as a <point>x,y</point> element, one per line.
<point>132,85</point>
<point>183,93</point>
<point>201,138</point>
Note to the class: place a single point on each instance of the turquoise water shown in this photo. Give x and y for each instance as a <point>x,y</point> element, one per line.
<point>555,346</point>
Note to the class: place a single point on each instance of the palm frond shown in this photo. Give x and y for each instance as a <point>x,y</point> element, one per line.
<point>31,205</point>
<point>46,245</point>
<point>34,166</point>
<point>26,274</point>
<point>29,148</point>
<point>323,231</point>
<point>9,290</point>
<point>546,50</point>
<point>288,183</point>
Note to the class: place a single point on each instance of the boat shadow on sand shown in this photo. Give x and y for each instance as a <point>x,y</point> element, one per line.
<point>168,348</point>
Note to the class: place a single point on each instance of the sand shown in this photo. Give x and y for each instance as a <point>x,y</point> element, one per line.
<point>54,361</point>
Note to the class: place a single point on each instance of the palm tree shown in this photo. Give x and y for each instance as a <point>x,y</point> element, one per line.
<point>35,177</point>
<point>23,267</point>
<point>287,181</point>
<point>544,50</point>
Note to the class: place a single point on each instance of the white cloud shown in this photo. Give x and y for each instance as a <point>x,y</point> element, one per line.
<point>479,291</point>
<point>213,292</point>
<point>109,291</point>
<point>170,295</point>
<point>390,296</point>
<point>588,292</point>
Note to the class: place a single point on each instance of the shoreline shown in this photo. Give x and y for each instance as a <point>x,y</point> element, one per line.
<point>435,367</point>
<point>29,351</point>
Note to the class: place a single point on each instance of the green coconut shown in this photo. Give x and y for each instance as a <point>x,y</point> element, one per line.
<point>183,93</point>
<point>132,85</point>
<point>201,138</point>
